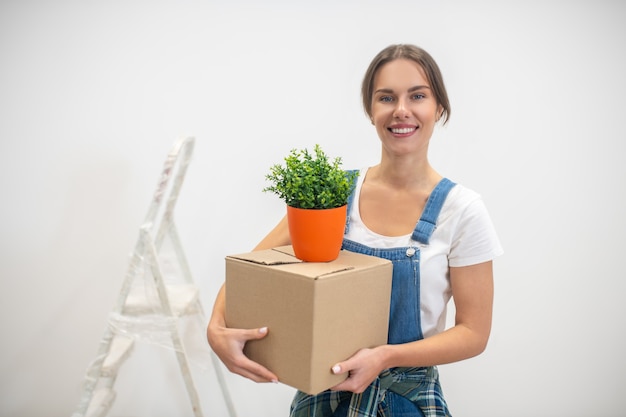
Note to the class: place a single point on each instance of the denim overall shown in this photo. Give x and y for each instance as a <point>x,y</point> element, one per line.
<point>404,315</point>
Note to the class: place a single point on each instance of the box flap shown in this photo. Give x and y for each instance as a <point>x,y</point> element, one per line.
<point>319,269</point>
<point>286,249</point>
<point>276,256</point>
<point>315,270</point>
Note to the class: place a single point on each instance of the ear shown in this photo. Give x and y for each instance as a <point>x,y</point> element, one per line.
<point>439,112</point>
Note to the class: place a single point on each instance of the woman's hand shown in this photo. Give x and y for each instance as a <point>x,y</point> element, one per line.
<point>362,368</point>
<point>228,345</point>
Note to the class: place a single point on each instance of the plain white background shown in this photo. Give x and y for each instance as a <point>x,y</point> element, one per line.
<point>94,93</point>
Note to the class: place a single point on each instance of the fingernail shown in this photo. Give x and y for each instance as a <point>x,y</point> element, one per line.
<point>263,330</point>
<point>274,381</point>
<point>336,369</point>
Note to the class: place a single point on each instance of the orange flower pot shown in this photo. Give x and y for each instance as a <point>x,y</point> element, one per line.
<point>316,234</point>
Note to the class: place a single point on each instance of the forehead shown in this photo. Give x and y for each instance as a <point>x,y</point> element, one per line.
<point>400,74</point>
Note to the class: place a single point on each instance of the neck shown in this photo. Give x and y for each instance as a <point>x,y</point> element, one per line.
<point>406,172</point>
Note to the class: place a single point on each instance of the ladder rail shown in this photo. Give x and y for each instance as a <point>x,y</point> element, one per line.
<point>174,334</point>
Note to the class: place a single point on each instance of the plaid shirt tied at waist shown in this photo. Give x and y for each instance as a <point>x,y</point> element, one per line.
<point>418,385</point>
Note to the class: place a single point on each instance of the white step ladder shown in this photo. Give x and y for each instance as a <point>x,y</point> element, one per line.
<point>152,306</point>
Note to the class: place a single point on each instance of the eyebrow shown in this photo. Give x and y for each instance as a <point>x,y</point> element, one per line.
<point>410,90</point>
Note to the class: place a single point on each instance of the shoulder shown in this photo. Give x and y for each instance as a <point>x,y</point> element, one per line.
<point>464,209</point>
<point>460,199</point>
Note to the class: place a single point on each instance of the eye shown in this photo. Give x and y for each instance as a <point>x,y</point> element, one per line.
<point>385,99</point>
<point>418,96</point>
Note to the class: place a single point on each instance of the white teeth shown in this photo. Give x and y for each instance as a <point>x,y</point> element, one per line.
<point>403,130</point>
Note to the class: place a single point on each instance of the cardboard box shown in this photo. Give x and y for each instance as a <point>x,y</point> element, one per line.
<point>318,314</point>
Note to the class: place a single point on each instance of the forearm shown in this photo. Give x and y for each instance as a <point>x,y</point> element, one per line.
<point>217,319</point>
<point>455,344</point>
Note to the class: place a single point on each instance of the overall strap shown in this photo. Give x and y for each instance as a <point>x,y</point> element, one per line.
<point>428,222</point>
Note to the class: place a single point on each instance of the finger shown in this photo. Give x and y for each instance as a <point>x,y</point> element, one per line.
<point>255,334</point>
<point>354,382</point>
<point>348,384</point>
<point>255,371</point>
<point>343,386</point>
<point>242,336</point>
<point>337,369</point>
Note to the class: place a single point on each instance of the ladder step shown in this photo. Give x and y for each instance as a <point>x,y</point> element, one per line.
<point>182,298</point>
<point>121,346</point>
<point>101,402</point>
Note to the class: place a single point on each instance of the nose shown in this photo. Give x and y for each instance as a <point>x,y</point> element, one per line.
<point>401,111</point>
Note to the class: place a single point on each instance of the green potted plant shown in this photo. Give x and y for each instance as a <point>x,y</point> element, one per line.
<point>315,190</point>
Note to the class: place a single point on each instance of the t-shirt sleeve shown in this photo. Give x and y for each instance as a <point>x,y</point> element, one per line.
<point>475,239</point>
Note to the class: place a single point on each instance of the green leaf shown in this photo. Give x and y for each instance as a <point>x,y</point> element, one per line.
<point>307,180</point>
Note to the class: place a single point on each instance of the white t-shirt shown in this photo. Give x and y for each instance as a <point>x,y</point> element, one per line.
<point>464,236</point>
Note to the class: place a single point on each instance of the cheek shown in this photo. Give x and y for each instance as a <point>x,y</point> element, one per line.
<point>426,114</point>
<point>381,113</point>
<point>379,122</point>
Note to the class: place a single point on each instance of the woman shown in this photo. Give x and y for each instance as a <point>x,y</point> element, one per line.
<point>437,234</point>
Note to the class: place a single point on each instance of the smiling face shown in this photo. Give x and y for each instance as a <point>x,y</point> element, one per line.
<point>404,108</point>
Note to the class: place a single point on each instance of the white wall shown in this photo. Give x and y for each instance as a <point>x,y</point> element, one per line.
<point>92,95</point>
